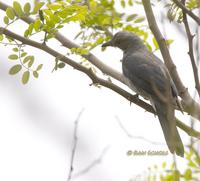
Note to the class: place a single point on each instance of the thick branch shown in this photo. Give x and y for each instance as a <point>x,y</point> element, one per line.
<point>187,11</point>
<point>189,104</point>
<point>191,52</point>
<point>92,76</point>
<point>89,72</point>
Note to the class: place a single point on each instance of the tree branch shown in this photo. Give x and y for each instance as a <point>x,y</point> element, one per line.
<point>187,11</point>
<point>93,164</point>
<point>191,53</point>
<point>189,104</point>
<point>93,76</point>
<point>75,140</point>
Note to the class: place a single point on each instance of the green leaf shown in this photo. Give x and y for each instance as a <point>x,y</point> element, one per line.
<point>15,49</point>
<point>37,7</point>
<point>61,65</point>
<point>169,41</point>
<point>164,165</point>
<point>13,57</point>
<point>26,33</point>
<point>23,54</point>
<point>188,174</point>
<point>18,9</point>
<point>131,17</point>
<point>139,20</point>
<point>6,20</point>
<point>15,69</point>
<point>54,7</point>
<point>41,15</point>
<point>130,2</point>
<point>28,58</point>
<point>155,43</point>
<point>35,74</point>
<point>10,13</point>
<point>37,25</point>
<point>39,67</point>
<point>27,8</point>
<point>1,37</point>
<point>25,77</point>
<point>30,63</point>
<point>123,3</point>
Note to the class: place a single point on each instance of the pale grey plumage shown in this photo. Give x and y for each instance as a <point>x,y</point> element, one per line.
<point>149,77</point>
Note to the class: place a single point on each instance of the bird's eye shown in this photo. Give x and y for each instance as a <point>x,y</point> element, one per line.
<point>117,41</point>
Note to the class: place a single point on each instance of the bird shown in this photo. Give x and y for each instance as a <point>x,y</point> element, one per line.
<point>148,76</point>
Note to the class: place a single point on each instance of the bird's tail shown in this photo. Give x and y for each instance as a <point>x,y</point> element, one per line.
<point>168,124</point>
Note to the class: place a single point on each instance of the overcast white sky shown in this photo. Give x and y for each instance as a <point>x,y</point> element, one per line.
<point>37,120</point>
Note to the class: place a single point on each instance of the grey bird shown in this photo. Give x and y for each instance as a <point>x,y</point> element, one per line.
<point>147,75</point>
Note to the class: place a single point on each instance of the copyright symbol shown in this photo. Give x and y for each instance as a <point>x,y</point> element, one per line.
<point>129,153</point>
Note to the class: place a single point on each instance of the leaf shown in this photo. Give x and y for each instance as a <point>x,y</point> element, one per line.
<point>39,67</point>
<point>35,74</point>
<point>13,57</point>
<point>169,41</point>
<point>130,2</point>
<point>131,17</point>
<point>15,69</point>
<point>41,15</point>
<point>6,20</point>
<point>1,37</point>
<point>15,49</point>
<point>18,9</point>
<point>155,43</point>
<point>37,7</point>
<point>25,77</point>
<point>164,165</point>
<point>26,33</point>
<point>27,8</point>
<point>23,54</point>
<point>28,58</point>
<point>30,63</point>
<point>123,3</point>
<point>37,25</point>
<point>139,20</point>
<point>61,65</point>
<point>188,174</point>
<point>54,7</point>
<point>10,13</point>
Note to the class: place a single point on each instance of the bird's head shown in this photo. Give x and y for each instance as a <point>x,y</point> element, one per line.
<point>124,40</point>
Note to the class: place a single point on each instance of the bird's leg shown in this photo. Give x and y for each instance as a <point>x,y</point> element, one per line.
<point>136,96</point>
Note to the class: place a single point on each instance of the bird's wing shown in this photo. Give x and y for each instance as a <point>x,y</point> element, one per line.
<point>146,75</point>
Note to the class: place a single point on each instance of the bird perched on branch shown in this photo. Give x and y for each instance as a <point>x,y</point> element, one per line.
<point>147,75</point>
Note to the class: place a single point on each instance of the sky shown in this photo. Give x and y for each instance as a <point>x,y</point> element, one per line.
<point>37,119</point>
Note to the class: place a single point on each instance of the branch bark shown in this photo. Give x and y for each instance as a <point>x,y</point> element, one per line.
<point>189,104</point>
<point>187,11</point>
<point>191,52</point>
<point>94,77</point>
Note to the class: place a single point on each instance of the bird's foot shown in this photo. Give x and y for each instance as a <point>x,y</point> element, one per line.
<point>136,96</point>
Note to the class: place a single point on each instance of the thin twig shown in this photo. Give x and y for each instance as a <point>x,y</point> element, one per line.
<point>187,11</point>
<point>191,50</point>
<point>93,164</point>
<point>135,137</point>
<point>75,139</point>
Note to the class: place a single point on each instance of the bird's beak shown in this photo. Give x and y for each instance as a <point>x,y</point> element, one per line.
<point>109,43</point>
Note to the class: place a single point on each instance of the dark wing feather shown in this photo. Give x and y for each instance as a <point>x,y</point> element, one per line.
<point>143,72</point>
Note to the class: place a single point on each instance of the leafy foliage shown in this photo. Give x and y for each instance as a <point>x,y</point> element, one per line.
<point>97,19</point>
